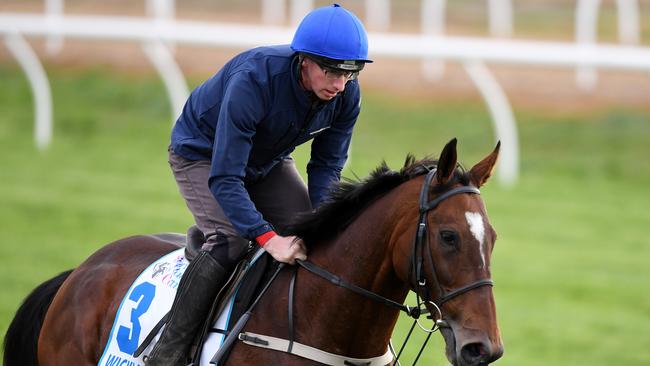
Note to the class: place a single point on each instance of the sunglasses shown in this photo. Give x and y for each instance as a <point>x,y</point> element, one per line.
<point>335,74</point>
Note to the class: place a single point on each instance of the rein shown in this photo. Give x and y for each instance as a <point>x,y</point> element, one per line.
<point>413,312</point>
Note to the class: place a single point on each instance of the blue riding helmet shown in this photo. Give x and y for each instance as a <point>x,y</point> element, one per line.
<point>335,36</point>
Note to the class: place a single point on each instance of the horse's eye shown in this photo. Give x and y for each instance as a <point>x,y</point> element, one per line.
<point>448,237</point>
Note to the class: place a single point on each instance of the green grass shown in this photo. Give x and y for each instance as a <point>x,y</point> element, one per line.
<point>570,264</point>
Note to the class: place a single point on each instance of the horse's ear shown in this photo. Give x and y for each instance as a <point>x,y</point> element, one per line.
<point>447,162</point>
<point>481,172</point>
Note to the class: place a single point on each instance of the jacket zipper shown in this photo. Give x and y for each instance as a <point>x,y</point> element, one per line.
<point>313,108</point>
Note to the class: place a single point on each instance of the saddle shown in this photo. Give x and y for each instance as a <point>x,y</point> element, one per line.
<point>242,288</point>
<point>238,293</point>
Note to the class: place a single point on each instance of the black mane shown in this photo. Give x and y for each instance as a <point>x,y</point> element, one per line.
<point>350,197</point>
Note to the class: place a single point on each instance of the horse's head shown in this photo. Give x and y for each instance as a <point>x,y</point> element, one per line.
<point>448,261</point>
<point>424,227</point>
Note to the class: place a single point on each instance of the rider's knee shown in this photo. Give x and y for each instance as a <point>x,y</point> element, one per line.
<point>228,250</point>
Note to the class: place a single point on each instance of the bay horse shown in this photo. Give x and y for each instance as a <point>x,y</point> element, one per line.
<point>423,229</point>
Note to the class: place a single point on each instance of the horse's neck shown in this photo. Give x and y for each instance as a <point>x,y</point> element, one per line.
<point>361,255</point>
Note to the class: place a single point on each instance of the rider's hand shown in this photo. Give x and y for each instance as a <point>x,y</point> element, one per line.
<point>286,249</point>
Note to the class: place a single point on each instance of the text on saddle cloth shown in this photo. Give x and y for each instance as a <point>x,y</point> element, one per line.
<point>147,301</point>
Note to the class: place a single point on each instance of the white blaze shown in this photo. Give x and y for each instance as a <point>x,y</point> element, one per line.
<point>475,221</point>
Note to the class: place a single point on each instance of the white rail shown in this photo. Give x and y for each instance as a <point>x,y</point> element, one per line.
<point>587,26</point>
<point>628,21</point>
<point>504,120</point>
<point>41,87</point>
<point>431,46</point>
<point>500,17</point>
<point>161,11</point>
<point>382,44</point>
<point>432,22</point>
<point>54,11</point>
<point>171,74</point>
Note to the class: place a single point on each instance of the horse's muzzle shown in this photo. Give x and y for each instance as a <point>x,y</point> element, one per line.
<point>479,353</point>
<point>473,351</point>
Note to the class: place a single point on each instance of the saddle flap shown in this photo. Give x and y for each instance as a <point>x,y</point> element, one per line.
<point>232,302</point>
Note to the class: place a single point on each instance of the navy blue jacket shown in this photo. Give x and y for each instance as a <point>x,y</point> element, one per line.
<point>250,116</point>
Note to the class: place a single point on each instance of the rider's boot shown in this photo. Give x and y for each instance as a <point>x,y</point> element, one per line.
<point>197,289</point>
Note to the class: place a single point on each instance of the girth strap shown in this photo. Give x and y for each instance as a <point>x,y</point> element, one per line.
<point>311,353</point>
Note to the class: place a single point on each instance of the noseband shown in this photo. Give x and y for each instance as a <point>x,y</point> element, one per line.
<point>418,279</point>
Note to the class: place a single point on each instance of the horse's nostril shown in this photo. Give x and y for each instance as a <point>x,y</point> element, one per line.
<point>474,353</point>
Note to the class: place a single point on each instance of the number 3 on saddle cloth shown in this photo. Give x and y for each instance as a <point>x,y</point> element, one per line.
<point>142,313</point>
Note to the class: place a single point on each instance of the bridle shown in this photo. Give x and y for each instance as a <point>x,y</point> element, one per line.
<point>417,275</point>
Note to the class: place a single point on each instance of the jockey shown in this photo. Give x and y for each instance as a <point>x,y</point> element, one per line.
<point>230,154</point>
